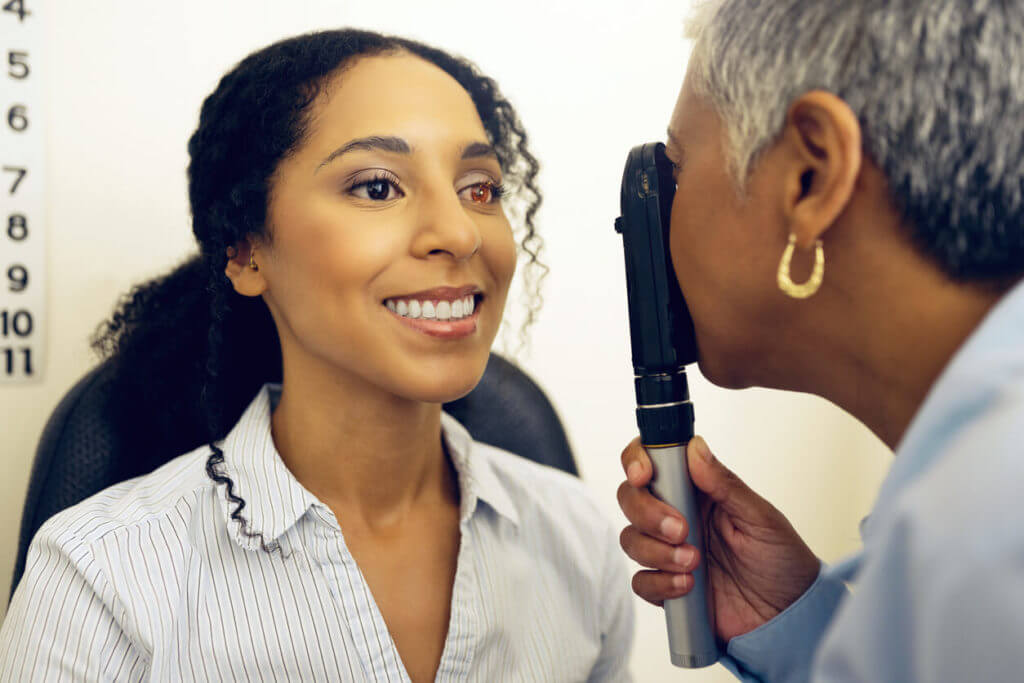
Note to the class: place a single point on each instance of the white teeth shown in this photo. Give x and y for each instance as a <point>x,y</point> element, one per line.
<point>441,310</point>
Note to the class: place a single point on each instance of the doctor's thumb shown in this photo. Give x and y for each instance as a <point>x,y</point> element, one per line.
<point>718,482</point>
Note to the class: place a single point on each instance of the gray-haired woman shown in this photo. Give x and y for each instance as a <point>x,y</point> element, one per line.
<point>884,135</point>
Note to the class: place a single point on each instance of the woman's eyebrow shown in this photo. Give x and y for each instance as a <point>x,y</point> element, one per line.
<point>475,150</point>
<point>373,142</point>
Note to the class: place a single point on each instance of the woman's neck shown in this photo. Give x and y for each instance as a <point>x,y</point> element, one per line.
<point>359,449</point>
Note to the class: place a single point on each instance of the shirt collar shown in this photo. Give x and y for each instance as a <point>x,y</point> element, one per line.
<point>477,478</point>
<point>964,389</point>
<point>275,500</point>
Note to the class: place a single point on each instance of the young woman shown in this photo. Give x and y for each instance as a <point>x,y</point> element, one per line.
<point>346,190</point>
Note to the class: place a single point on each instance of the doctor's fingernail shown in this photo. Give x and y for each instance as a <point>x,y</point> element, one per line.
<point>682,557</point>
<point>671,527</point>
<point>634,472</point>
<point>681,580</point>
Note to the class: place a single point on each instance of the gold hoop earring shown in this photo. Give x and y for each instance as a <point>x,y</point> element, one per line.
<point>252,261</point>
<point>809,288</point>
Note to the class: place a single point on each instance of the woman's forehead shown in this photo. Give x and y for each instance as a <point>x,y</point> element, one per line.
<point>397,94</point>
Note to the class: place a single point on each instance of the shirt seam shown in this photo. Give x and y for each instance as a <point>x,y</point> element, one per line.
<point>126,615</point>
<point>162,514</point>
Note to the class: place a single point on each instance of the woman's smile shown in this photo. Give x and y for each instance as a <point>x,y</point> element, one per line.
<point>442,312</point>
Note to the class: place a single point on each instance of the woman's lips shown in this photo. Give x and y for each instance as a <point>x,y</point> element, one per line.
<point>440,294</point>
<point>438,317</point>
<point>444,312</point>
<point>443,329</point>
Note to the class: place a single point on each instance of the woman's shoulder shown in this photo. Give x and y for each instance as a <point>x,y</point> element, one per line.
<point>542,495</point>
<point>562,535</point>
<point>161,494</point>
<point>521,471</point>
<point>119,555</point>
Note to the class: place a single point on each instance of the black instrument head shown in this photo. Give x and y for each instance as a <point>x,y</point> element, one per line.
<point>661,328</point>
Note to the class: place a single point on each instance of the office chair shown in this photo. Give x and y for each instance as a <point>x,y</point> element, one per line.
<point>80,452</point>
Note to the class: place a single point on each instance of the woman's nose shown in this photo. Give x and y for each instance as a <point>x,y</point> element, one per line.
<point>446,227</point>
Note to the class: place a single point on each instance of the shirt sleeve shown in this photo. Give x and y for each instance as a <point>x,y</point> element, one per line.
<point>925,614</point>
<point>783,649</point>
<point>64,621</point>
<point>617,617</point>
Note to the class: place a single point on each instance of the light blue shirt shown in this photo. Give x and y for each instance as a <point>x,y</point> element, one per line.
<point>938,590</point>
<point>152,580</point>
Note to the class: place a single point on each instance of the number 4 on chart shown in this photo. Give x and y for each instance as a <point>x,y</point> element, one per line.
<point>18,7</point>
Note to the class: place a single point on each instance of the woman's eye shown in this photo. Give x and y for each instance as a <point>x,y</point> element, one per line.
<point>377,189</point>
<point>482,193</point>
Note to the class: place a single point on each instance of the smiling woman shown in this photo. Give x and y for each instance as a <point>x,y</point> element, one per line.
<point>349,199</point>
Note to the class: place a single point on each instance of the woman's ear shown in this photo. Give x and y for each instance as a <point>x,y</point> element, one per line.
<point>243,269</point>
<point>824,137</point>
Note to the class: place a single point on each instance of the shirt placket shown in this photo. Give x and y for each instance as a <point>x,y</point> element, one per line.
<point>373,643</point>
<point>464,630</point>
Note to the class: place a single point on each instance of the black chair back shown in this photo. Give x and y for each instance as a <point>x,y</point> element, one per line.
<point>81,453</point>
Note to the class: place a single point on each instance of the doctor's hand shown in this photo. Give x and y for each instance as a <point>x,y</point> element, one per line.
<point>757,564</point>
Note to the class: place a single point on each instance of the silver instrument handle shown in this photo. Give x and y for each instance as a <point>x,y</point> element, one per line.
<point>691,634</point>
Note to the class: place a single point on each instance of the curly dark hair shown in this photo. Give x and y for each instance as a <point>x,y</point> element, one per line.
<point>189,353</point>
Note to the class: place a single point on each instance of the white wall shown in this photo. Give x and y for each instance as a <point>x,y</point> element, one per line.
<point>125,81</point>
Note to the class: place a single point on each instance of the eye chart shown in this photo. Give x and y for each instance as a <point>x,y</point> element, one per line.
<point>22,207</point>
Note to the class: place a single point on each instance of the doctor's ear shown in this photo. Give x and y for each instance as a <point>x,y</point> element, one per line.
<point>824,139</point>
<point>243,269</point>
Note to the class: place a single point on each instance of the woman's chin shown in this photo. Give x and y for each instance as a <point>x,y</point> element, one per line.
<point>441,387</point>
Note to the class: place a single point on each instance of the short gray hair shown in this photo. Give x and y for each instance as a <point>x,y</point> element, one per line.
<point>938,88</point>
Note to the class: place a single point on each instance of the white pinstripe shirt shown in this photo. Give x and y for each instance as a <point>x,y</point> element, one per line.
<point>149,580</point>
